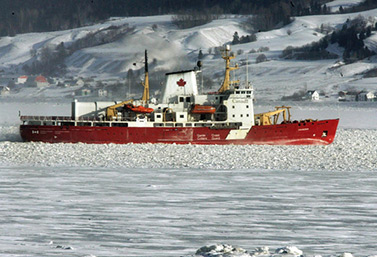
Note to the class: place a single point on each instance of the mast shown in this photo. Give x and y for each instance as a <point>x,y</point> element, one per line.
<point>145,97</point>
<point>226,84</point>
<point>247,70</point>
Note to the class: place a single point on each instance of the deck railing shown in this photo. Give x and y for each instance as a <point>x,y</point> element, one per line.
<point>61,118</point>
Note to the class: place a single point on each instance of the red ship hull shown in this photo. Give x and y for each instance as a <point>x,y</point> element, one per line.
<point>303,133</point>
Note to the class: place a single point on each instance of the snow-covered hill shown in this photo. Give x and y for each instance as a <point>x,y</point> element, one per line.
<point>176,49</point>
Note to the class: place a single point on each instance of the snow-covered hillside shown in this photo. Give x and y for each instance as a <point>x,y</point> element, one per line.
<point>176,49</point>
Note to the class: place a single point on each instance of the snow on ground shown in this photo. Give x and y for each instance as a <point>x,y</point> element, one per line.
<point>371,42</point>
<point>369,84</point>
<point>176,49</point>
<point>279,77</point>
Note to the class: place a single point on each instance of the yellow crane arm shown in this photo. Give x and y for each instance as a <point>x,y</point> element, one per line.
<point>111,111</point>
<point>265,118</point>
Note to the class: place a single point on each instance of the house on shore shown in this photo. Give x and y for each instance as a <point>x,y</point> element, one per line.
<point>102,92</point>
<point>366,96</point>
<point>345,96</point>
<point>22,79</point>
<point>4,90</point>
<point>84,91</point>
<point>36,81</point>
<point>312,95</point>
<point>41,81</point>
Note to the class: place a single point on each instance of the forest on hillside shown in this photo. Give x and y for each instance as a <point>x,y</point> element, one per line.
<point>350,37</point>
<point>20,16</point>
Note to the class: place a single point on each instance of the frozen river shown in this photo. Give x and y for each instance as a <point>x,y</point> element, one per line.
<point>170,200</point>
<point>47,211</point>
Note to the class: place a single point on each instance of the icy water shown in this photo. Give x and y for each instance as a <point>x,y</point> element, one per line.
<point>170,200</point>
<point>168,212</point>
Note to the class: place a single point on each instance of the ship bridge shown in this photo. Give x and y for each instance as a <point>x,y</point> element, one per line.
<point>240,106</point>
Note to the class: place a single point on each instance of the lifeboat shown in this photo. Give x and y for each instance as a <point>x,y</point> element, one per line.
<point>203,109</point>
<point>139,109</point>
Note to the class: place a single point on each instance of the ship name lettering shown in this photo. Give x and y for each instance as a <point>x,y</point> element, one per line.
<point>242,101</point>
<point>201,137</point>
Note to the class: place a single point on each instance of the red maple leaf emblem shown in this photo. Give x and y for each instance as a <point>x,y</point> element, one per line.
<point>181,83</point>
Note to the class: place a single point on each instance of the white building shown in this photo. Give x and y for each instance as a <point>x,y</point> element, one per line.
<point>41,81</point>
<point>22,79</point>
<point>4,91</point>
<point>312,95</point>
<point>102,92</point>
<point>366,96</point>
<point>80,83</point>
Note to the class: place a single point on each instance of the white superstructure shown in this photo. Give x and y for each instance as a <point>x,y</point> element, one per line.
<point>179,83</point>
<point>181,105</point>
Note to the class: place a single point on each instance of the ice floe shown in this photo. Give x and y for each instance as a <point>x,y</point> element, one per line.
<point>221,250</point>
<point>264,250</point>
<point>353,149</point>
<point>226,250</point>
<point>293,250</point>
